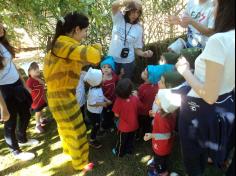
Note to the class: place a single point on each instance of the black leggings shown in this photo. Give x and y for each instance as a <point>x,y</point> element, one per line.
<point>18,103</point>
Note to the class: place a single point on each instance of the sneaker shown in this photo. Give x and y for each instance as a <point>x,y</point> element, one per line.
<point>24,156</point>
<point>95,144</point>
<point>39,129</point>
<point>30,142</point>
<point>152,173</point>
<point>114,151</point>
<point>46,121</point>
<point>174,174</point>
<point>87,168</point>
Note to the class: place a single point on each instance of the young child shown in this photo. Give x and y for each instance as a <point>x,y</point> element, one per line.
<point>126,109</point>
<point>163,127</point>
<point>109,82</point>
<point>146,94</point>
<point>36,86</point>
<point>95,103</point>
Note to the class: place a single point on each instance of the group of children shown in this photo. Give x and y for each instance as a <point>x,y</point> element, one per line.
<point>113,103</point>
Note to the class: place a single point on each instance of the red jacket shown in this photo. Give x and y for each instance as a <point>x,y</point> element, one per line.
<point>163,125</point>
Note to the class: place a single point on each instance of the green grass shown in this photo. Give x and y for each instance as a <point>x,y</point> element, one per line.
<point>51,162</point>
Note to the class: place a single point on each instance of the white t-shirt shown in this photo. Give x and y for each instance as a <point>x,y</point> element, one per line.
<point>80,90</point>
<point>203,14</point>
<point>220,48</point>
<point>134,38</point>
<point>95,95</point>
<point>9,74</point>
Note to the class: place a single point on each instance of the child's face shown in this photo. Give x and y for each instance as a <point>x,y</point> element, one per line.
<point>106,69</point>
<point>161,83</point>
<point>162,60</point>
<point>144,75</point>
<point>35,72</point>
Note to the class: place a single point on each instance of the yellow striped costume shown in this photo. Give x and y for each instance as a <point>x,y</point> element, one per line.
<point>62,71</point>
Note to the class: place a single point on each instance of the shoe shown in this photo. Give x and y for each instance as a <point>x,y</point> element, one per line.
<point>39,129</point>
<point>87,168</point>
<point>30,142</point>
<point>114,151</point>
<point>95,144</point>
<point>152,173</point>
<point>46,121</point>
<point>174,174</point>
<point>151,163</point>
<point>24,156</point>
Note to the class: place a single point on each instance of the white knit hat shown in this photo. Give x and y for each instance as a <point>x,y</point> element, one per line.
<point>93,77</point>
<point>169,101</point>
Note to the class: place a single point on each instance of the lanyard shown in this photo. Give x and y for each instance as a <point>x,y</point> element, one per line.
<point>126,34</point>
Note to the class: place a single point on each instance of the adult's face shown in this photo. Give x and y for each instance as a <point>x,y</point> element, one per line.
<point>134,15</point>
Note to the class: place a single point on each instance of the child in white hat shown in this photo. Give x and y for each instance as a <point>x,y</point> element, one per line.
<point>95,103</point>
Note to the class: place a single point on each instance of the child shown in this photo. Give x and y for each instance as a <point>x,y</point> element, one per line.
<point>109,82</point>
<point>36,86</point>
<point>169,58</point>
<point>126,109</point>
<point>163,126</point>
<point>80,93</point>
<point>146,94</point>
<point>95,103</point>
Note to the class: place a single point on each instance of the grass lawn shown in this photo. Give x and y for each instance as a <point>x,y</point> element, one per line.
<point>51,162</point>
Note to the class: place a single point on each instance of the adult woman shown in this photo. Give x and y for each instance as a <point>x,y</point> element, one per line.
<point>17,99</point>
<point>211,97</point>
<point>199,19</point>
<point>62,69</point>
<point>127,36</point>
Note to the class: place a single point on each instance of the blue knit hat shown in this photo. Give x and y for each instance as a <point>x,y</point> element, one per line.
<point>156,71</point>
<point>108,60</point>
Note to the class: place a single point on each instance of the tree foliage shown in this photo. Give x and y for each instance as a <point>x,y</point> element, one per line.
<point>38,17</point>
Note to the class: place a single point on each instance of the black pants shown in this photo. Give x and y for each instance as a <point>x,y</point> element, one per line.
<point>18,104</point>
<point>125,143</point>
<point>201,133</point>
<point>95,120</point>
<point>107,118</point>
<point>161,163</point>
<point>145,125</point>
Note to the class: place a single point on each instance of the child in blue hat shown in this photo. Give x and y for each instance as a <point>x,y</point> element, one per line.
<point>109,82</point>
<point>147,92</point>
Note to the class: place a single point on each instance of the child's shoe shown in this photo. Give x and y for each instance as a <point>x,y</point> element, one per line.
<point>152,172</point>
<point>95,144</point>
<point>39,129</point>
<point>46,121</point>
<point>30,142</point>
<point>87,168</point>
<point>114,152</point>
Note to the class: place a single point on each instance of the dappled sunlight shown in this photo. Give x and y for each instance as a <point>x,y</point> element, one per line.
<point>145,159</point>
<point>111,173</point>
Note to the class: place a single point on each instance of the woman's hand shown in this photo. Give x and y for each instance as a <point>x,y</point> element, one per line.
<point>186,21</point>
<point>4,114</point>
<point>182,65</point>
<point>174,20</point>
<point>147,54</point>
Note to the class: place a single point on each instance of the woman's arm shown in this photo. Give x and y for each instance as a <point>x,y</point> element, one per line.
<point>4,116</point>
<point>116,5</point>
<point>208,91</point>
<point>201,28</point>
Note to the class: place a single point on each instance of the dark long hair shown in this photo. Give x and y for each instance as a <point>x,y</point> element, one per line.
<point>68,25</point>
<point>132,6</point>
<point>6,44</point>
<point>225,16</point>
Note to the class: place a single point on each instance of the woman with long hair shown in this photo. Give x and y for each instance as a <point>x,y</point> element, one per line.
<point>62,68</point>
<point>17,99</point>
<point>207,114</point>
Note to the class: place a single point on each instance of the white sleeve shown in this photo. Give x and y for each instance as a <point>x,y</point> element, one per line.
<point>139,41</point>
<point>117,18</point>
<point>214,51</point>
